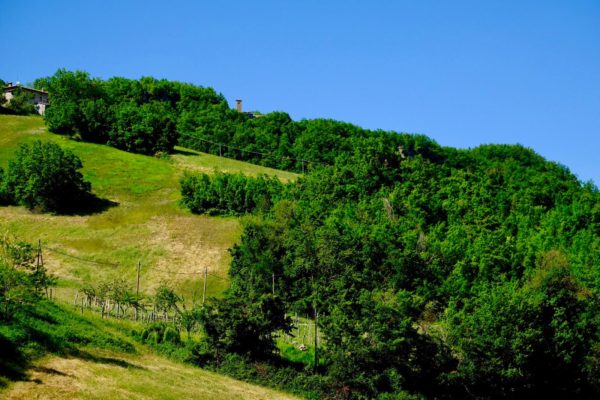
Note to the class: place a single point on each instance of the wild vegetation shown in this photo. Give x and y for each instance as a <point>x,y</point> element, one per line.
<point>444,273</point>
<point>229,193</point>
<point>151,116</point>
<point>423,276</point>
<point>429,271</point>
<point>95,252</point>
<point>138,116</point>
<point>44,176</point>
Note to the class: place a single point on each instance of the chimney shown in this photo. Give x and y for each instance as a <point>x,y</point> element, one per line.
<point>238,105</point>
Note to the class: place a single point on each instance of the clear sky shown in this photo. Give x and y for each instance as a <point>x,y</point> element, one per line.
<point>461,72</point>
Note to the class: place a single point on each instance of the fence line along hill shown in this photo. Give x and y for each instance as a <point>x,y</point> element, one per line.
<point>140,221</point>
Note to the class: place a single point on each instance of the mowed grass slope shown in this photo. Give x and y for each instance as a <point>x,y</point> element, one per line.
<point>110,375</point>
<point>144,223</point>
<point>57,353</point>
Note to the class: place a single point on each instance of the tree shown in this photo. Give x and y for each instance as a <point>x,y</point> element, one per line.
<point>534,340</point>
<point>44,176</point>
<point>146,129</point>
<point>67,90</point>
<point>244,325</point>
<point>189,319</point>
<point>22,281</point>
<point>166,299</point>
<point>2,98</point>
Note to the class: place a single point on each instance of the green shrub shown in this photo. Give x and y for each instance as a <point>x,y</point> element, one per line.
<point>171,335</point>
<point>229,193</point>
<point>153,338</point>
<point>44,176</point>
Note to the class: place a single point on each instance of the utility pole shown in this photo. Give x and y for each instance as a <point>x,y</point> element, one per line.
<point>316,294</point>
<point>273,283</point>
<point>137,290</point>
<point>37,257</point>
<point>40,262</point>
<point>40,257</point>
<point>204,288</point>
<point>316,338</point>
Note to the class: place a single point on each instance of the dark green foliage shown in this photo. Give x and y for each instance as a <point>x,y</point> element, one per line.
<point>146,129</point>
<point>134,115</point>
<point>279,375</point>
<point>243,324</point>
<point>43,176</point>
<point>229,193</point>
<point>531,341</point>
<point>447,273</point>
<point>160,333</point>
<point>150,116</point>
<point>435,272</point>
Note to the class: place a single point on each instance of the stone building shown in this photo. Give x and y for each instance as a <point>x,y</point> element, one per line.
<point>39,98</point>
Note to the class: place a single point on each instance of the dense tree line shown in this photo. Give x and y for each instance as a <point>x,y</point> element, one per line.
<point>275,140</point>
<point>229,193</point>
<point>134,115</point>
<point>436,271</point>
<point>149,116</point>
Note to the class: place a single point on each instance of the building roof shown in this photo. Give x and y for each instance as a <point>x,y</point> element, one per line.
<point>10,87</point>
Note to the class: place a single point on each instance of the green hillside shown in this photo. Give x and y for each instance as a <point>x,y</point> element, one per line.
<point>59,354</point>
<point>424,271</point>
<point>142,222</point>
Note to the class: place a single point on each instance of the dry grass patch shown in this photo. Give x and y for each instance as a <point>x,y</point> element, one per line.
<point>109,375</point>
<point>146,224</point>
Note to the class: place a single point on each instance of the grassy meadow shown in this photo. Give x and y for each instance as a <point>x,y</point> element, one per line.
<point>140,219</point>
<point>76,356</point>
<point>106,374</point>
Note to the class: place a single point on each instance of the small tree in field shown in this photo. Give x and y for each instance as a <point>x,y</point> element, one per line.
<point>44,176</point>
<point>22,282</point>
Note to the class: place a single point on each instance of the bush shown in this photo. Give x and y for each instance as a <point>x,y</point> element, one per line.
<point>160,333</point>
<point>44,176</point>
<point>229,193</point>
<point>146,129</point>
<point>244,325</point>
<point>171,335</point>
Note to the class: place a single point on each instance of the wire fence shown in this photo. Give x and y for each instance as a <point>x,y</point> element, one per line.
<point>143,308</point>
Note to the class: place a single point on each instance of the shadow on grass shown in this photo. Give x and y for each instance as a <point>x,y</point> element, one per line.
<point>49,371</point>
<point>46,328</point>
<point>185,152</point>
<point>88,205</point>
<point>84,355</point>
<point>13,364</point>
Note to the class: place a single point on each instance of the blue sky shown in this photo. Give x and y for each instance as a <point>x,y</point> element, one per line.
<point>461,72</point>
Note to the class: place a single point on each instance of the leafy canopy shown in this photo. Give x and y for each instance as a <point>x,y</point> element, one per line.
<point>44,176</point>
